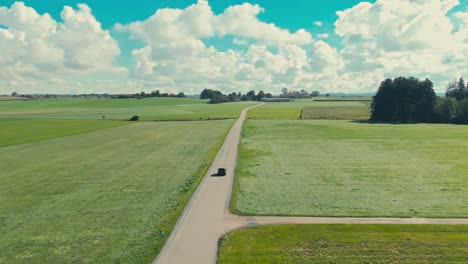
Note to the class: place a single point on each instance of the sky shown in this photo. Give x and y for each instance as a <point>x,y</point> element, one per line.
<point>100,46</point>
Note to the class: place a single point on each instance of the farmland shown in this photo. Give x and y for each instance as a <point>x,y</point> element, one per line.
<point>361,112</point>
<point>343,168</point>
<point>293,110</point>
<point>17,131</point>
<point>120,109</point>
<point>346,244</point>
<point>108,196</point>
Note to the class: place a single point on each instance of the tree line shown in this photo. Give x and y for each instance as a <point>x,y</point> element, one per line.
<point>410,100</point>
<point>217,97</point>
<point>152,94</point>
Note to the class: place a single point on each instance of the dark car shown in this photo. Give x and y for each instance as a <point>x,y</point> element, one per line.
<point>221,172</point>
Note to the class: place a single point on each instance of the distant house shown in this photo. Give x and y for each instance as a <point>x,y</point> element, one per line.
<point>276,100</point>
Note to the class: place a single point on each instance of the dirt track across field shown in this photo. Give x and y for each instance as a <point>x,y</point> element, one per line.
<point>206,217</point>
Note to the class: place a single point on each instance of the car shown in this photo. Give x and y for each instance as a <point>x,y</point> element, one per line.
<point>221,172</point>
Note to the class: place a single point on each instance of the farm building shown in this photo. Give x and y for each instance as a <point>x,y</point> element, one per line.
<point>276,100</point>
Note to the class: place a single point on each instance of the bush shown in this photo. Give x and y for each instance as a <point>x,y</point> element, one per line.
<point>135,118</point>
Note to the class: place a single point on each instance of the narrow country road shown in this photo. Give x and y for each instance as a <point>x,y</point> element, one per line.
<point>206,217</point>
<point>195,236</point>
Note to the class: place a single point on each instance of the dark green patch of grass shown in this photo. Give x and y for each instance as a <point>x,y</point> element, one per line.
<point>18,131</point>
<point>346,244</point>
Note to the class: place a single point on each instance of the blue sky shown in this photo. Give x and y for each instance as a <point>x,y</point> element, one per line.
<point>204,46</point>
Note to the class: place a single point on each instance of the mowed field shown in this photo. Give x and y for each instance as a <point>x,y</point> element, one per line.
<point>311,109</point>
<point>343,168</point>
<point>346,244</point>
<point>120,109</point>
<point>108,196</point>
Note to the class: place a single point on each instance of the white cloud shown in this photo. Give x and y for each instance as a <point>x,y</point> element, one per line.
<point>36,48</point>
<point>323,36</point>
<point>318,23</point>
<point>176,54</point>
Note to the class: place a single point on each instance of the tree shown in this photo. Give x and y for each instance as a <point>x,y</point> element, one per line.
<point>268,95</point>
<point>260,95</point>
<point>284,90</point>
<point>14,94</point>
<point>251,95</point>
<point>315,94</point>
<point>180,95</point>
<point>155,93</point>
<point>457,89</point>
<point>206,94</point>
<point>217,97</point>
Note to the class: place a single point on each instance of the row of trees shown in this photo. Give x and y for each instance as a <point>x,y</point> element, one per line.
<point>298,94</point>
<point>217,97</point>
<point>152,94</point>
<point>410,100</point>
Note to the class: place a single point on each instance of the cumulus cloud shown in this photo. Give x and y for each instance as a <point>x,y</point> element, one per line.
<point>381,39</point>
<point>176,53</point>
<point>399,37</point>
<point>318,23</point>
<point>36,48</point>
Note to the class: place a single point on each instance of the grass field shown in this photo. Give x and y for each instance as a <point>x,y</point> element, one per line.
<point>11,98</point>
<point>120,109</point>
<point>17,131</point>
<point>292,110</point>
<point>337,112</point>
<point>346,244</point>
<point>341,168</point>
<point>345,98</point>
<point>109,196</point>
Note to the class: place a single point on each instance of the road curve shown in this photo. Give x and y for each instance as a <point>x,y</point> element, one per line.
<point>196,234</point>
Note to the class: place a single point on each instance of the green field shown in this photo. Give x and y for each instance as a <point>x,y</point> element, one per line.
<point>345,98</point>
<point>292,110</point>
<point>121,109</point>
<point>342,168</point>
<point>361,112</point>
<point>109,196</point>
<point>346,244</point>
<point>17,131</point>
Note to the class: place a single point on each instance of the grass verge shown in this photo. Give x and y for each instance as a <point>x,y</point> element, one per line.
<point>346,244</point>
